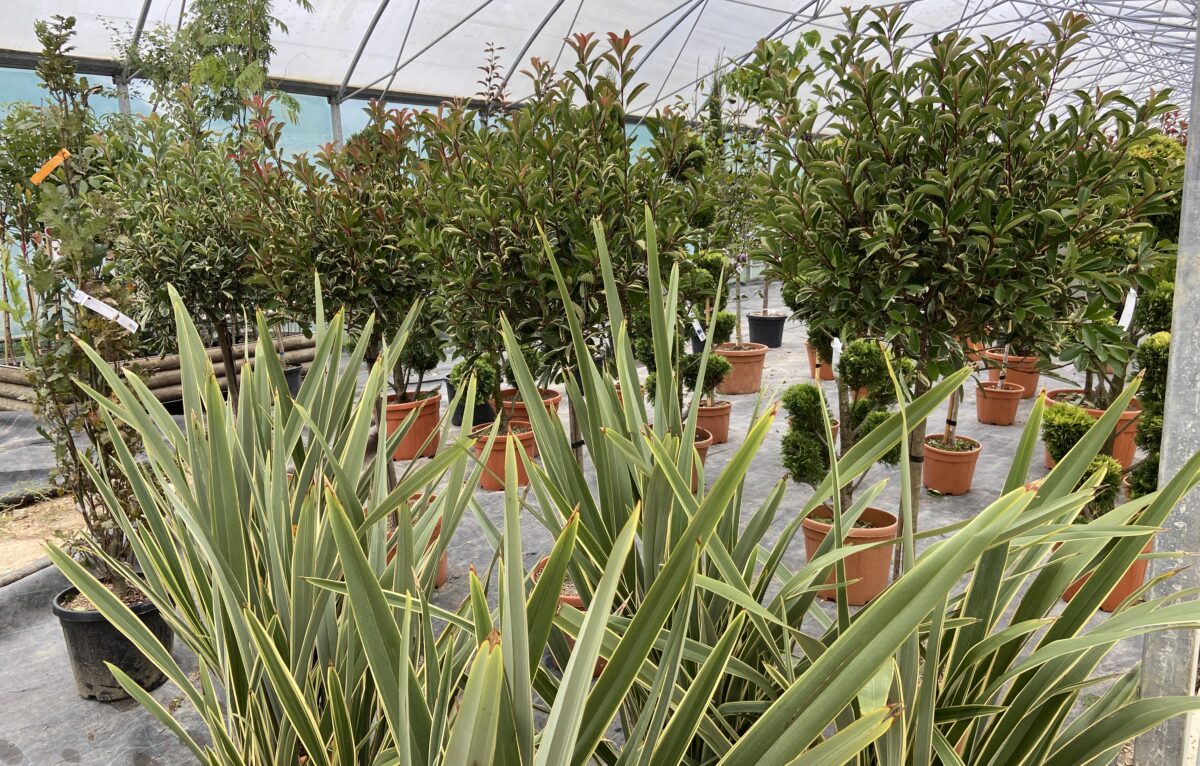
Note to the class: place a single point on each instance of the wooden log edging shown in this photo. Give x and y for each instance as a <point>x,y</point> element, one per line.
<point>163,376</point>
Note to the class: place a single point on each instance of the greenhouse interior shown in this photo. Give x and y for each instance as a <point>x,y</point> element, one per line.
<point>599,382</point>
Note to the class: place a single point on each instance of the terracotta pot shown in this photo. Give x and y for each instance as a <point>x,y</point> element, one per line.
<point>1021,370</point>
<point>715,420</point>
<point>870,568</point>
<point>516,409</point>
<point>973,349</point>
<point>1124,448</point>
<point>704,440</point>
<point>998,406</point>
<point>572,598</point>
<point>1133,579</point>
<point>826,370</point>
<point>492,479</point>
<point>620,400</point>
<point>949,471</point>
<point>443,567</point>
<point>747,361</point>
<point>835,427</point>
<point>422,438</point>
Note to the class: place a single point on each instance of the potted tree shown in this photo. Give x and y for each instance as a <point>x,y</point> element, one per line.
<point>353,215</point>
<point>711,415</point>
<point>70,273</point>
<point>879,240</point>
<point>485,376</point>
<point>864,395</point>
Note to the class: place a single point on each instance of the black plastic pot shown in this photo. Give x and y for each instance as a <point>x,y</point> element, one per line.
<point>293,375</point>
<point>483,411</point>
<point>93,641</point>
<point>767,329</point>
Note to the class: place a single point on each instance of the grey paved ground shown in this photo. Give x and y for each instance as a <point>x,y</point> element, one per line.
<point>42,722</point>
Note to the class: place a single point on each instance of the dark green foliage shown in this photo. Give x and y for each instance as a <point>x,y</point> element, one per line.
<point>1153,311</point>
<point>1152,357</point>
<point>1109,491</point>
<point>873,420</point>
<point>1063,425</point>
<point>714,372</point>
<point>805,457</point>
<point>893,211</point>
<point>802,402</point>
<point>822,341</point>
<point>723,327</point>
<point>650,386</point>
<point>486,377</point>
<point>1143,479</point>
<point>862,365</point>
<point>1164,158</point>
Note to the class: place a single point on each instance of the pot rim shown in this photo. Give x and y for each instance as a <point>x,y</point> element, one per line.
<point>509,395</point>
<point>395,403</point>
<point>952,456</point>
<point>705,441</point>
<point>760,349</point>
<point>91,615</point>
<point>1010,390</point>
<point>1013,359</point>
<point>768,314</point>
<point>856,533</point>
<point>722,404</point>
<point>1134,409</point>
<point>523,436</point>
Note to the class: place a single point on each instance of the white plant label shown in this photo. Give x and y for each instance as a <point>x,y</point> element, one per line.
<point>104,310</point>
<point>1127,312</point>
<point>699,331</point>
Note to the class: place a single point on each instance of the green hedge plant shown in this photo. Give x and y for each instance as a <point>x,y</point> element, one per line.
<point>1152,357</point>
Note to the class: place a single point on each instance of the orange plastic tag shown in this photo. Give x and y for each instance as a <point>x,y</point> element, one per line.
<point>51,165</point>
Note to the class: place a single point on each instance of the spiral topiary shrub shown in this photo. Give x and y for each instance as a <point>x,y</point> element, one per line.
<point>1152,357</point>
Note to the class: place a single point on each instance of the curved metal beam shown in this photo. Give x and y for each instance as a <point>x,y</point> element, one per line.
<point>362,45</point>
<point>529,42</point>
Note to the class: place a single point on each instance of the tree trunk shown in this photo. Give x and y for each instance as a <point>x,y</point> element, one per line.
<point>916,463</point>
<point>949,435</point>
<point>225,341</point>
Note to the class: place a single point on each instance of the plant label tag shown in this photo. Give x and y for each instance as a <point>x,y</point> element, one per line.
<point>699,331</point>
<point>1127,311</point>
<point>49,167</point>
<point>104,310</point>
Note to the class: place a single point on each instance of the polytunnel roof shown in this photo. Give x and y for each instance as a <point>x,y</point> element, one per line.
<point>432,48</point>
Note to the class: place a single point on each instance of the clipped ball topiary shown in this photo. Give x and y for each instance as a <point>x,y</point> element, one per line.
<point>1107,493</point>
<point>1063,425</point>
<point>1143,479</point>
<point>723,327</point>
<point>1153,311</point>
<point>805,457</point>
<point>1152,357</point>
<point>863,366</point>
<point>873,420</point>
<point>802,402</point>
<point>714,372</point>
<point>485,375</point>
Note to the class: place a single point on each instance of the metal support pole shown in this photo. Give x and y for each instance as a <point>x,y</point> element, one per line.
<point>1169,659</point>
<point>335,120</point>
<point>123,95</point>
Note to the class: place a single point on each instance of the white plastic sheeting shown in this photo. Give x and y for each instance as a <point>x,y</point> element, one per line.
<point>434,47</point>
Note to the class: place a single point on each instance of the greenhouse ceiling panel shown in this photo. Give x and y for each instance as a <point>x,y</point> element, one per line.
<point>356,48</point>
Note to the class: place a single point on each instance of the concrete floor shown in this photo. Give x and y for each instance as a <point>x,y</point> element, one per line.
<point>42,722</point>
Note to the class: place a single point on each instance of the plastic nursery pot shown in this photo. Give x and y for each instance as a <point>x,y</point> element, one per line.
<point>92,641</point>
<point>1124,448</point>
<point>511,403</point>
<point>715,419</point>
<point>822,372</point>
<point>973,349</point>
<point>422,438</point>
<point>492,479</point>
<point>704,440</point>
<point>867,571</point>
<point>766,327</point>
<point>1021,370</point>
<point>950,471</point>
<point>483,412</point>
<point>747,361</point>
<point>997,405</point>
<point>443,567</point>
<point>1133,579</point>
<point>293,375</point>
<point>568,595</point>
